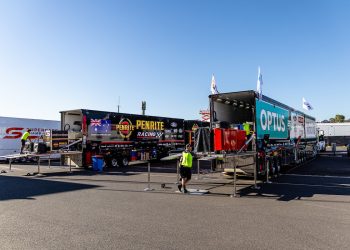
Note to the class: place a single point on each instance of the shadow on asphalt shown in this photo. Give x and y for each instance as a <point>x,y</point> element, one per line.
<point>28,188</point>
<point>156,167</point>
<point>324,176</point>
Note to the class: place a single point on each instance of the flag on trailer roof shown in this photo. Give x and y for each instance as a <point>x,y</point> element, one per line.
<point>213,88</point>
<point>306,105</point>
<point>259,84</point>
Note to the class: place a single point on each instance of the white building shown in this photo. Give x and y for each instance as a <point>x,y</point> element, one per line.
<point>335,132</point>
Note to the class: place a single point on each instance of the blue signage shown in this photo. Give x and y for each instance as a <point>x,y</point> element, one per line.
<point>272,120</point>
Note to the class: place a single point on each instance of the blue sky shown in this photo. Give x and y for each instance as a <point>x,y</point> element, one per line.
<point>69,54</point>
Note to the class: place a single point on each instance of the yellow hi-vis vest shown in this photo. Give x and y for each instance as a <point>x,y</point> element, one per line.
<point>246,127</point>
<point>186,159</point>
<point>25,136</point>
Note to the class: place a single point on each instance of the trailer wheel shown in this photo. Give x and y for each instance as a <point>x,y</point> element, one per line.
<point>114,162</point>
<point>279,162</point>
<point>124,162</point>
<point>277,166</point>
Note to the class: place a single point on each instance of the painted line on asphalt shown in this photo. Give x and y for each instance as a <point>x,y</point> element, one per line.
<point>328,176</point>
<point>309,185</point>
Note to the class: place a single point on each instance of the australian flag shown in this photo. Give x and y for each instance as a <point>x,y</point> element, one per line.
<point>100,126</point>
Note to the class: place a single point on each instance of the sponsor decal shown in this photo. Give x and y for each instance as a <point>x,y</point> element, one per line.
<point>95,122</point>
<point>272,120</point>
<point>17,132</point>
<point>47,133</point>
<point>125,128</point>
<point>296,126</point>
<point>13,133</point>
<point>150,134</point>
<point>173,124</point>
<point>149,125</point>
<point>310,128</point>
<point>100,127</point>
<point>150,129</point>
<point>195,127</point>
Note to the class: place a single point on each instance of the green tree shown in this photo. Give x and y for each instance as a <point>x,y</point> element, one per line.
<point>339,118</point>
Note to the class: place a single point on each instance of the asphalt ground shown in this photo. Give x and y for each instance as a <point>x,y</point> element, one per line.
<point>306,208</point>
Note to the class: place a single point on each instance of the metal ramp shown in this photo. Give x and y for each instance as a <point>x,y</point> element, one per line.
<point>192,191</point>
<point>47,156</point>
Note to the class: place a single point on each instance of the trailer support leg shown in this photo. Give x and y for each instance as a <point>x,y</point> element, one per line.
<point>149,178</point>
<point>38,165</point>
<point>255,176</point>
<point>177,171</point>
<point>234,180</point>
<point>70,165</point>
<point>268,173</point>
<point>197,169</point>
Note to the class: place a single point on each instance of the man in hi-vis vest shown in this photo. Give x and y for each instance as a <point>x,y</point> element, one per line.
<point>185,168</point>
<point>24,137</point>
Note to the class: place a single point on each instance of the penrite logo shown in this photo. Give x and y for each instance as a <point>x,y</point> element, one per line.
<point>125,127</point>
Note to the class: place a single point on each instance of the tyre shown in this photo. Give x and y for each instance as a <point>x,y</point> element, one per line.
<point>124,162</point>
<point>275,166</point>
<point>114,163</point>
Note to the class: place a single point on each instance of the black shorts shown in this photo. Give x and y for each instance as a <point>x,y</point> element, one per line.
<point>23,142</point>
<point>186,172</point>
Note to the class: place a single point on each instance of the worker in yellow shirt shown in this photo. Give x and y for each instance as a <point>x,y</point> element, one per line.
<point>248,128</point>
<point>24,138</point>
<point>186,168</point>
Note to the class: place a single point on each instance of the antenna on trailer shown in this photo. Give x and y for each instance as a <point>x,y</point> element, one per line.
<point>118,103</point>
<point>143,106</point>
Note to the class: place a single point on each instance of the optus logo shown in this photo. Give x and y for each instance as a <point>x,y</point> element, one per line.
<point>272,121</point>
<point>125,128</point>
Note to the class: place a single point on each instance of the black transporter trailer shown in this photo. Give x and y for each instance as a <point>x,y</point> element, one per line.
<point>120,137</point>
<point>281,135</point>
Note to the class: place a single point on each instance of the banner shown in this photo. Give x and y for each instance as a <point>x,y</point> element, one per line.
<point>272,120</point>
<point>297,125</point>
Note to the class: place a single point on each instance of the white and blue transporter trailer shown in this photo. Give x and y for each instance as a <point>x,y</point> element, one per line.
<point>283,136</point>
